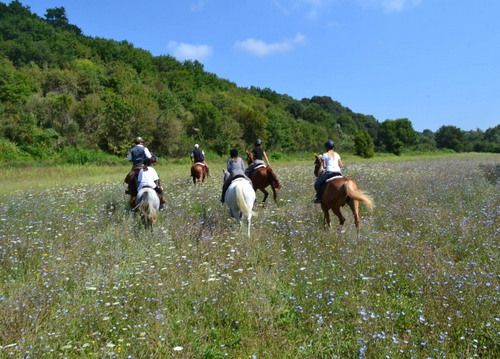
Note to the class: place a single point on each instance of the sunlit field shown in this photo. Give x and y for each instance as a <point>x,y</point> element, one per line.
<point>80,278</point>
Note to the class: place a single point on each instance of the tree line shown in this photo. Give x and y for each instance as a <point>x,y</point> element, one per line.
<point>62,90</point>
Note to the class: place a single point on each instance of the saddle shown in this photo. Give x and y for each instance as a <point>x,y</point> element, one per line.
<point>199,163</point>
<point>239,177</point>
<point>333,178</point>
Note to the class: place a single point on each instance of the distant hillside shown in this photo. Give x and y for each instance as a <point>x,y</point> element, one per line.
<point>60,88</point>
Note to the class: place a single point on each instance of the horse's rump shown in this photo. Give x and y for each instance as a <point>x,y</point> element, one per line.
<point>241,202</point>
<point>199,170</point>
<point>148,204</point>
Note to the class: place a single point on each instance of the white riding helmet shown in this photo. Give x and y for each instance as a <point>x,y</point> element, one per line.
<point>196,145</point>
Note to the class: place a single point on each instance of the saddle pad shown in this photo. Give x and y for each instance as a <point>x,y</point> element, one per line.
<point>259,166</point>
<point>333,178</point>
<point>199,163</point>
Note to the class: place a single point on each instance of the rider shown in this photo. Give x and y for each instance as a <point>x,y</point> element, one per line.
<point>148,178</point>
<point>198,156</point>
<point>236,169</point>
<point>332,164</point>
<point>137,155</point>
<point>259,155</point>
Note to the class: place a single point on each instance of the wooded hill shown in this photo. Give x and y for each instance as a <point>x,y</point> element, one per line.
<point>61,89</point>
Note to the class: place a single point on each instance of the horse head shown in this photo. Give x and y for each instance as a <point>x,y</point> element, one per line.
<point>318,170</point>
<point>273,179</point>
<point>250,157</point>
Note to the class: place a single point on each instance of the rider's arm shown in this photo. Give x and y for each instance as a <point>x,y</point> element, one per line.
<point>147,153</point>
<point>323,162</point>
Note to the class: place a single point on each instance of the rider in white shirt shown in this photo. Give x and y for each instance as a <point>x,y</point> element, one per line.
<point>332,164</point>
<point>148,178</point>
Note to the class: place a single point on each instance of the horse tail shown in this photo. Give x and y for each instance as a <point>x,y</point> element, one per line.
<point>273,178</point>
<point>242,204</point>
<point>354,192</point>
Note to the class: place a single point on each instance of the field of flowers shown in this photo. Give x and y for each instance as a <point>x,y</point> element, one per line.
<point>79,277</point>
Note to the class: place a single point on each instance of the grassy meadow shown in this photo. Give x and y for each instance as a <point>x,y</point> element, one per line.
<point>80,278</point>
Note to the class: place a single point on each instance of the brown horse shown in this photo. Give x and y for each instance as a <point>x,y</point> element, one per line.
<point>199,172</point>
<point>337,193</point>
<point>262,177</point>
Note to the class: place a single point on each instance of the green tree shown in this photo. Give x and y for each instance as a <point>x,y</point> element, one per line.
<point>394,135</point>
<point>450,137</point>
<point>363,144</point>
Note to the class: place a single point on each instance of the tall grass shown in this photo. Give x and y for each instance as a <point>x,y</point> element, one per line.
<point>80,278</point>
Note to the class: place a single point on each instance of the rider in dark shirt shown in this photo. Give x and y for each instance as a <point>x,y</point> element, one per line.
<point>235,169</point>
<point>137,155</point>
<point>259,156</point>
<point>198,156</point>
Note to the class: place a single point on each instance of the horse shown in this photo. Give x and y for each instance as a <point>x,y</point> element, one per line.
<point>338,192</point>
<point>263,176</point>
<point>199,172</point>
<point>148,204</point>
<point>240,198</point>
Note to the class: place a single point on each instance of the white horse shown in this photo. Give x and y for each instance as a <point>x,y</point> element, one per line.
<point>240,198</point>
<point>148,204</point>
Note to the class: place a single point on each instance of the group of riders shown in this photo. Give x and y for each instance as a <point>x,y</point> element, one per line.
<point>143,175</point>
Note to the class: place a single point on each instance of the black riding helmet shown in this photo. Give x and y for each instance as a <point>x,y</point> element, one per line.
<point>233,153</point>
<point>258,142</point>
<point>329,145</point>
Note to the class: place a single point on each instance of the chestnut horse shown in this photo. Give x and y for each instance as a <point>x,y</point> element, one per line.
<point>262,177</point>
<point>336,193</point>
<point>199,172</point>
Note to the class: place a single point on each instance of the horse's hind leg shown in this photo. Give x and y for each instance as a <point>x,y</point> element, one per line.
<point>336,211</point>
<point>326,217</point>
<point>274,194</point>
<point>249,223</point>
<point>354,205</point>
<point>265,194</point>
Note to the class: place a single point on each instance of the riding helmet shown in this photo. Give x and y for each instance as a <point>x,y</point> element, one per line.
<point>139,140</point>
<point>258,142</point>
<point>329,144</point>
<point>233,153</point>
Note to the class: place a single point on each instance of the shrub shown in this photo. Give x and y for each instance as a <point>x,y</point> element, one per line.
<point>10,152</point>
<point>80,156</point>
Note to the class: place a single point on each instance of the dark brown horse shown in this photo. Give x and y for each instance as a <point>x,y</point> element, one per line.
<point>262,177</point>
<point>199,172</point>
<point>337,193</point>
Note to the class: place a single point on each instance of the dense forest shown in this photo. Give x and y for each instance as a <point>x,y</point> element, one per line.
<point>62,91</point>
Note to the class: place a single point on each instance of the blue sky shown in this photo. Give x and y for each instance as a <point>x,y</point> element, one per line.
<point>436,62</point>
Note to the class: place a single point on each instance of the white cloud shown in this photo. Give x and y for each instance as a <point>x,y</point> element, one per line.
<point>314,8</point>
<point>391,6</point>
<point>261,48</point>
<point>183,51</point>
<point>198,5</point>
<point>311,8</point>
